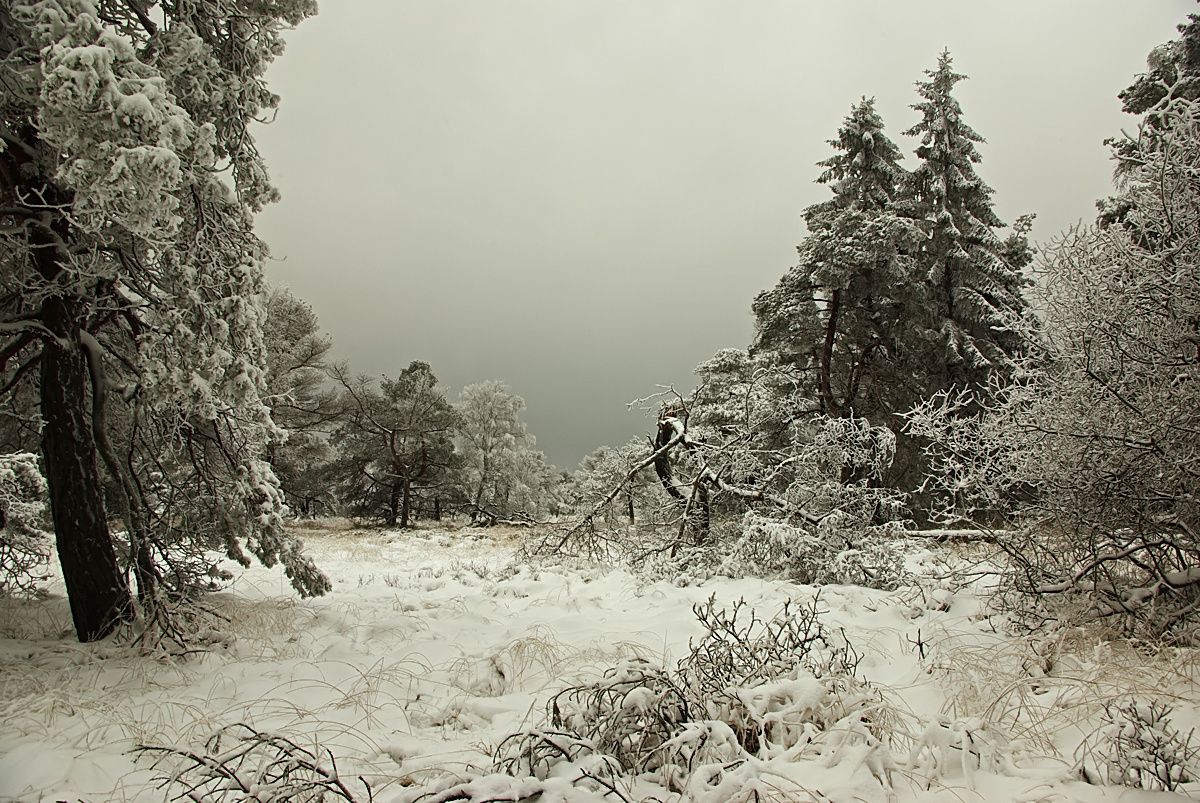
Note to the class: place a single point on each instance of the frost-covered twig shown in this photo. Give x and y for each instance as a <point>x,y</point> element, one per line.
<point>239,763</point>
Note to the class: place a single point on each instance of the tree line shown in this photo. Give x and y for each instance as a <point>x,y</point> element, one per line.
<point>920,365</point>
<point>396,449</point>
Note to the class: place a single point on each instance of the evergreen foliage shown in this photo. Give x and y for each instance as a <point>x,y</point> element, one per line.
<point>394,442</point>
<point>973,280</point>
<point>903,287</point>
<point>844,313</point>
<point>1174,70</point>
<point>296,374</point>
<point>131,289</point>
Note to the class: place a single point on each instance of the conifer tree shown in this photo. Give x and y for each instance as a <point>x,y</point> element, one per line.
<point>296,352</point>
<point>843,315</point>
<point>1173,74</point>
<point>1174,69</point>
<point>973,278</point>
<point>395,441</point>
<point>131,287</point>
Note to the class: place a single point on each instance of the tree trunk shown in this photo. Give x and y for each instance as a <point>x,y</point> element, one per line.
<point>393,509</point>
<point>828,405</point>
<point>96,588</point>
<point>437,508</point>
<point>703,516</point>
<point>406,506</point>
<point>629,499</point>
<point>700,519</point>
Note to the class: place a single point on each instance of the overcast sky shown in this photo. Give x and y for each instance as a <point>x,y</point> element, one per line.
<point>583,197</point>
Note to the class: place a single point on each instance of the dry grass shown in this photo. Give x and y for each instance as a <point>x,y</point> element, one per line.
<point>1040,688</point>
<point>35,619</point>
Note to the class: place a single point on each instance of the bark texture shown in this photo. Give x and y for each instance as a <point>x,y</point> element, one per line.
<point>96,588</point>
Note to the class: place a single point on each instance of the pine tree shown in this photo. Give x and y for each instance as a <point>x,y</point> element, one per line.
<point>1173,78</point>
<point>973,278</point>
<point>131,288</point>
<point>296,372</point>
<point>842,315</point>
<point>395,441</point>
<point>1174,70</point>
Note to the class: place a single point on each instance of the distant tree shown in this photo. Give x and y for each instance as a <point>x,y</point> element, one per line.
<point>395,440</point>
<point>300,405</point>
<point>131,285</point>
<point>529,489</point>
<point>607,467</point>
<point>501,474</point>
<point>974,280</point>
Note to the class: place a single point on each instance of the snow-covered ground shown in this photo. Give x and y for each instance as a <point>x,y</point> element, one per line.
<point>435,646</point>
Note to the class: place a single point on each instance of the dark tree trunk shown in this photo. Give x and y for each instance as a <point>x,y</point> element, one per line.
<point>629,500</point>
<point>828,405</point>
<point>701,519</point>
<point>437,508</point>
<point>406,506</point>
<point>393,509</point>
<point>97,590</point>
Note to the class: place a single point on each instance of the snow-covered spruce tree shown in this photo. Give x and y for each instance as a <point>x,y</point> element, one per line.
<point>131,287</point>
<point>394,442</point>
<point>850,315</point>
<point>296,374</point>
<point>1093,447</point>
<point>974,304</point>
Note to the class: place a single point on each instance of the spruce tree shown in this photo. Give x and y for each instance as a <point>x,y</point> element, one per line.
<point>840,314</point>
<point>973,278</point>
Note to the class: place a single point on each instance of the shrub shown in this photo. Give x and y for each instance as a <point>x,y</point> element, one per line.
<point>24,544</point>
<point>1138,747</point>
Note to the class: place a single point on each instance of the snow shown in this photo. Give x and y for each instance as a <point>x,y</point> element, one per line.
<point>434,647</point>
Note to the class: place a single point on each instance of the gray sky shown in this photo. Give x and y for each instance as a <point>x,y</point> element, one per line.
<point>583,197</point>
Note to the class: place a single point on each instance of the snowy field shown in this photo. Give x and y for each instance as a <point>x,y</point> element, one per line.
<point>436,646</point>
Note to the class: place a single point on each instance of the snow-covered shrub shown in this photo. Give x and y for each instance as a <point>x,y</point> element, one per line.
<point>778,683</point>
<point>629,714</point>
<point>535,752</point>
<point>240,763</point>
<point>838,550</point>
<point>1138,747</point>
<point>584,786</point>
<point>24,544</point>
<point>740,649</point>
<point>750,688</point>
<point>967,744</point>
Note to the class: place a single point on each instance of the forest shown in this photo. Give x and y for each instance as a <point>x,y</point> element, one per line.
<point>937,418</point>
